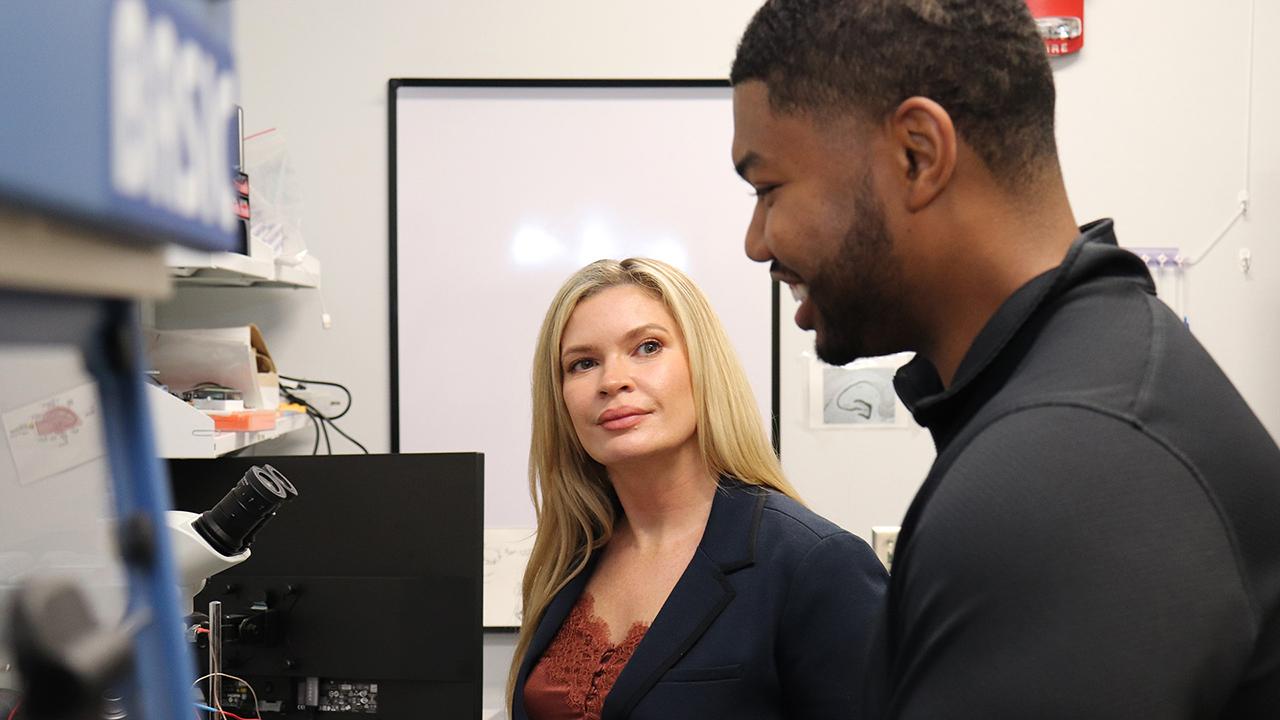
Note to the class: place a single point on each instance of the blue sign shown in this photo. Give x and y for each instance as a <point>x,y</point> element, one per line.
<point>120,114</point>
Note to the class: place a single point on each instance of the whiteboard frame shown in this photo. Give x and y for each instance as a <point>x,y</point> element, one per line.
<point>394,85</point>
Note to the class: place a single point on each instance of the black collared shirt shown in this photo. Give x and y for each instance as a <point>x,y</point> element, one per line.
<point>1099,536</point>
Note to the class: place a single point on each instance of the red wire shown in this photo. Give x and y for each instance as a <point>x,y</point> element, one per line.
<point>14,712</point>
<point>250,137</point>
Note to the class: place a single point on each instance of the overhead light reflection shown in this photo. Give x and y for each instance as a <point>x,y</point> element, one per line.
<point>532,246</point>
<point>669,250</point>
<point>598,241</point>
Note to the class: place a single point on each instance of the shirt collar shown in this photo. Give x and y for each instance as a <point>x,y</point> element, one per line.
<point>1094,254</point>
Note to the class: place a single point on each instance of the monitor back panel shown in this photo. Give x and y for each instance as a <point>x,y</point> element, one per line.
<point>362,597</point>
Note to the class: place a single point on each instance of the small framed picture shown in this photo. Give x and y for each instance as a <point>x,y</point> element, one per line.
<point>857,395</point>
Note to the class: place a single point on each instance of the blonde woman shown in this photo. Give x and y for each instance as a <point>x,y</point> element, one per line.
<point>675,572</point>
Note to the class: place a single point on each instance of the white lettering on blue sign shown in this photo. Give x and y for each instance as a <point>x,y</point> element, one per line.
<point>170,115</point>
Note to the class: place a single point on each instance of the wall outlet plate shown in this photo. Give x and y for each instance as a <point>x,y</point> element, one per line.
<point>883,540</point>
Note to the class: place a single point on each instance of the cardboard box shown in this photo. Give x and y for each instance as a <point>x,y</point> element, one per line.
<point>234,357</point>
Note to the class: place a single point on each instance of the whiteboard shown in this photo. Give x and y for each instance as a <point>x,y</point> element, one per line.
<point>501,190</point>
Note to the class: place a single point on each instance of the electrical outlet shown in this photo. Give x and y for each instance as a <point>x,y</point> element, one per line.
<point>883,540</point>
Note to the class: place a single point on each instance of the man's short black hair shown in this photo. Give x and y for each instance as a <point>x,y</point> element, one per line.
<point>982,60</point>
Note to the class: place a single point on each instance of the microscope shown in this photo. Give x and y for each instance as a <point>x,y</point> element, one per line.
<point>68,663</point>
<point>207,544</point>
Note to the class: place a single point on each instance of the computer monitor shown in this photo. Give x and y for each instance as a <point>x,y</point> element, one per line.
<point>363,594</point>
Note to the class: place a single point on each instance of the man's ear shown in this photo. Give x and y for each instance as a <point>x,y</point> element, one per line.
<point>924,142</point>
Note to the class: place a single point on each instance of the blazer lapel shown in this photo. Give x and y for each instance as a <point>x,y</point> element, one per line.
<point>552,618</point>
<point>701,594</point>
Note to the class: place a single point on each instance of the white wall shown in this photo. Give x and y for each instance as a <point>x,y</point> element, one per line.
<point>1151,121</point>
<point>1152,130</point>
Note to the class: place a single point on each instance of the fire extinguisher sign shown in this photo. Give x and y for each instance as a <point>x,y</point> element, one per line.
<point>1061,24</point>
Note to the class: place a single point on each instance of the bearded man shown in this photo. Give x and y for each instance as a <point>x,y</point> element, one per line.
<point>1099,536</point>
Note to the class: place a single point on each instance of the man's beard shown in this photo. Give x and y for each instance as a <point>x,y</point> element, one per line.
<point>858,298</point>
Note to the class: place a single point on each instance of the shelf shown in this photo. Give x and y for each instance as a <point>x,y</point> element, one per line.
<point>305,274</point>
<point>181,431</point>
<point>43,254</point>
<point>195,267</point>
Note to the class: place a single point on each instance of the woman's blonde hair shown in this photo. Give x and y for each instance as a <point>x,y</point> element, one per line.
<point>575,503</point>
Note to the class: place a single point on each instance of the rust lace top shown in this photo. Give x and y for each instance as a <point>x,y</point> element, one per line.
<point>578,669</point>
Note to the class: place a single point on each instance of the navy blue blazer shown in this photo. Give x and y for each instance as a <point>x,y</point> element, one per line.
<point>769,620</point>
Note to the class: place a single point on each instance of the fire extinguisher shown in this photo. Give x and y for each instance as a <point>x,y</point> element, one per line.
<point>1061,24</point>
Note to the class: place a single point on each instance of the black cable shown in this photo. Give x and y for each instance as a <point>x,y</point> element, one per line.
<point>340,386</point>
<point>363,449</point>
<point>302,386</point>
<point>218,386</point>
<point>312,414</point>
<point>312,417</point>
<point>323,421</point>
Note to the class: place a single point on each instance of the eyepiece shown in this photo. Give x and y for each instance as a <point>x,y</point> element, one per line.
<point>282,480</point>
<point>229,527</point>
<point>268,480</point>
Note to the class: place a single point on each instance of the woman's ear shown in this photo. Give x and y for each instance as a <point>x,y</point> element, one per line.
<point>924,142</point>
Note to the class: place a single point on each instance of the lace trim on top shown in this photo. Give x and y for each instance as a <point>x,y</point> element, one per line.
<point>582,658</point>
